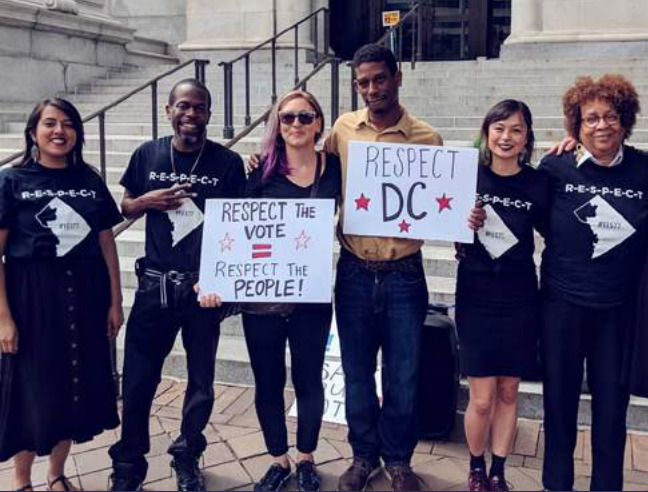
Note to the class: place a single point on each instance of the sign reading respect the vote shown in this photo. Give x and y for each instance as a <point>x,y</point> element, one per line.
<point>260,250</point>
<point>410,191</point>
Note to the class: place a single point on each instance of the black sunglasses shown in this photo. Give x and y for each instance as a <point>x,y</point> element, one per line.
<point>304,117</point>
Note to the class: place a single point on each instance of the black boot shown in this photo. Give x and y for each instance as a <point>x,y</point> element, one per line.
<point>126,477</point>
<point>188,475</point>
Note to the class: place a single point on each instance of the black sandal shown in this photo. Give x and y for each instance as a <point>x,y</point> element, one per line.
<point>25,488</point>
<point>63,479</point>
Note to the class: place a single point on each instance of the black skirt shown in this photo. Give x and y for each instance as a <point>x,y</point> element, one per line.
<point>497,318</point>
<point>62,386</point>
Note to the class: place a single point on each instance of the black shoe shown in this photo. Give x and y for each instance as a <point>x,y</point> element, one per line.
<point>275,478</point>
<point>120,481</point>
<point>188,473</point>
<point>307,477</point>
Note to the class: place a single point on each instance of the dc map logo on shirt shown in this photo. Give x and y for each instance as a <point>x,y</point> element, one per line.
<point>609,227</point>
<point>65,223</point>
<point>495,235</point>
<point>184,220</point>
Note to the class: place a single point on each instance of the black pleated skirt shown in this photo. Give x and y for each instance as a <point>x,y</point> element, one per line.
<point>61,385</point>
<point>497,318</point>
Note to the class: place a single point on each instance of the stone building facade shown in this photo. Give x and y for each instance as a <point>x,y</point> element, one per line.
<point>47,46</point>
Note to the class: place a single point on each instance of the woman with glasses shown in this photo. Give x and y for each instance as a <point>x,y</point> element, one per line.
<point>595,244</point>
<point>290,167</point>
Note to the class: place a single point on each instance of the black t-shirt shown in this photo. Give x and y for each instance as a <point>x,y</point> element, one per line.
<point>279,186</point>
<point>173,238</point>
<point>515,206</point>
<point>596,236</point>
<point>54,212</point>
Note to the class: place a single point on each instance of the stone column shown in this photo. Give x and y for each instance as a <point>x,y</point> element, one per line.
<point>526,17</point>
<point>241,24</point>
<point>577,29</point>
<point>578,20</point>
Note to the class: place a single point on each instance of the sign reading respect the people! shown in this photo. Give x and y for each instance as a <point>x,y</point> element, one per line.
<point>410,191</point>
<point>260,250</point>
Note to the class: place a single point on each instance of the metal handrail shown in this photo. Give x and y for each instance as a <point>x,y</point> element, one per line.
<point>300,84</point>
<point>228,66</point>
<point>101,113</point>
<point>278,35</point>
<point>417,45</point>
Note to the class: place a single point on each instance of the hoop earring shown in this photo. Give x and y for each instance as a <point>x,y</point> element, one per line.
<point>35,153</point>
<point>522,157</point>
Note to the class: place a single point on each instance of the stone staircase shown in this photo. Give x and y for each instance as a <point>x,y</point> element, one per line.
<point>451,96</point>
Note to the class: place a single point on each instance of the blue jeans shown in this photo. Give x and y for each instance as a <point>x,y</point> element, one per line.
<point>381,305</point>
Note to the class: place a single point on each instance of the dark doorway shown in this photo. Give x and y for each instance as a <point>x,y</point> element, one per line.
<point>353,24</point>
<point>451,29</point>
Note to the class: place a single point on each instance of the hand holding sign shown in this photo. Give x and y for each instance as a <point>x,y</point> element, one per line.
<point>410,191</point>
<point>267,250</point>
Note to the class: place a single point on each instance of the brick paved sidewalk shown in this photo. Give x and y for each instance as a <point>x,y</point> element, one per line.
<point>235,457</point>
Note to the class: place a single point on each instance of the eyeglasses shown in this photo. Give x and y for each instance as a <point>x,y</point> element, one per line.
<point>304,117</point>
<point>592,120</point>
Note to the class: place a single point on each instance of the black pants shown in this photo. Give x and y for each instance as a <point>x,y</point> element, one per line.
<point>150,335</point>
<point>570,335</point>
<point>306,330</point>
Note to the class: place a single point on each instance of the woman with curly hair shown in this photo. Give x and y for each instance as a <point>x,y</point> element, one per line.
<point>595,238</point>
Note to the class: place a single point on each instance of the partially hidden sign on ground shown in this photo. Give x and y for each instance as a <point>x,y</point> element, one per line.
<point>334,383</point>
<point>268,250</point>
<point>410,191</point>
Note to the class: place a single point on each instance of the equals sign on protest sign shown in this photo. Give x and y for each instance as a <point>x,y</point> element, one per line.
<point>261,251</point>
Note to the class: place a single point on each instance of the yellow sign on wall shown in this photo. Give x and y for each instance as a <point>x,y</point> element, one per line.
<point>391,18</point>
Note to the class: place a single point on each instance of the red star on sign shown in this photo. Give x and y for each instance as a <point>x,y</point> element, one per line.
<point>302,240</point>
<point>226,243</point>
<point>444,202</point>
<point>362,202</point>
<point>404,226</point>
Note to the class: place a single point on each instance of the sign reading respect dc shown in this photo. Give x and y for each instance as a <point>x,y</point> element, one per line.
<point>410,191</point>
<point>268,250</point>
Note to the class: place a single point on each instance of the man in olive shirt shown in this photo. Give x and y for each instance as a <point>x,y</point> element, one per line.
<point>381,295</point>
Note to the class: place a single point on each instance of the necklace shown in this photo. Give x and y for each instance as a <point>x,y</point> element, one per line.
<point>193,167</point>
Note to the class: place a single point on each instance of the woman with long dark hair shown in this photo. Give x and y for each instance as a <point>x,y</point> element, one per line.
<point>290,167</point>
<point>497,289</point>
<point>60,297</point>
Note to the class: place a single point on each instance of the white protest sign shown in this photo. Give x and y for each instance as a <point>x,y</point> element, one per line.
<point>410,191</point>
<point>268,250</point>
<point>334,392</point>
<point>333,343</point>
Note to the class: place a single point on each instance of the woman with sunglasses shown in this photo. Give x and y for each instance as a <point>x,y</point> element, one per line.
<point>290,167</point>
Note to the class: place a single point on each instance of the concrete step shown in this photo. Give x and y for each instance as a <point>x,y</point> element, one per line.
<point>233,367</point>
<point>148,45</point>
